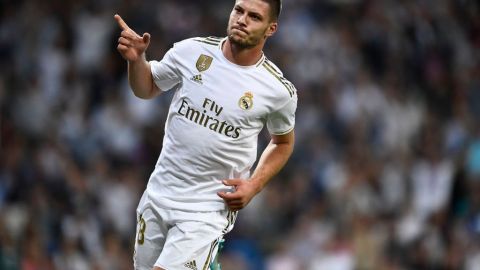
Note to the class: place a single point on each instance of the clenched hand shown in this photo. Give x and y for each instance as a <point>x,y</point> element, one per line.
<point>244,192</point>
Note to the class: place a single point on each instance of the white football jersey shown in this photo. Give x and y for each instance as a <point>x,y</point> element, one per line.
<point>216,114</point>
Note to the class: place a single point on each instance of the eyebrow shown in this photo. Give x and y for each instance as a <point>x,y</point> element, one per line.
<point>249,12</point>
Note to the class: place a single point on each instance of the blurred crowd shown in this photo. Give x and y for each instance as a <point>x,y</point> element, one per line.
<point>386,169</point>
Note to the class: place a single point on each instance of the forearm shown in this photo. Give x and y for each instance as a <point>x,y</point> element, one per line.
<point>140,79</point>
<point>272,160</point>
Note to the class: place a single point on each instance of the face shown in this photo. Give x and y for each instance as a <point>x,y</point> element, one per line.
<point>249,23</point>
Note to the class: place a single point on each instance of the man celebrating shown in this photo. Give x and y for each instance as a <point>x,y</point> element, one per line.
<point>226,90</point>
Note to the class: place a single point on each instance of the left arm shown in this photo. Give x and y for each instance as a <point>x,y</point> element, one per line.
<point>271,162</point>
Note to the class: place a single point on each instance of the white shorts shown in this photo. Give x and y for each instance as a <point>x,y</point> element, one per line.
<point>173,239</point>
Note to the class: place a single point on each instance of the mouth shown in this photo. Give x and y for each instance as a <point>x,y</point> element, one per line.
<point>240,29</point>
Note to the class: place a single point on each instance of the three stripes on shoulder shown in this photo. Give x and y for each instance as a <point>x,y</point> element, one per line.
<point>209,40</point>
<point>267,64</point>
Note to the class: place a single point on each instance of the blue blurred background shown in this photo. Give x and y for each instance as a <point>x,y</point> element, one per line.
<point>386,170</point>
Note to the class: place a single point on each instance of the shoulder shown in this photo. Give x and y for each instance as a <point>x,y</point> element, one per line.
<point>211,40</point>
<point>198,42</point>
<point>192,47</point>
<point>275,75</point>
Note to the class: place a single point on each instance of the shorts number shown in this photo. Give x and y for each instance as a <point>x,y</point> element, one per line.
<point>141,231</point>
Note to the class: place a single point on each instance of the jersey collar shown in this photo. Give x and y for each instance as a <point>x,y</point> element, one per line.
<point>257,64</point>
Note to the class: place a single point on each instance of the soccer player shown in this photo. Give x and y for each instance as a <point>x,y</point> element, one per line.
<point>226,91</point>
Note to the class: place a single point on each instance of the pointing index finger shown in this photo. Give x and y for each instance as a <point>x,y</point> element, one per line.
<point>121,22</point>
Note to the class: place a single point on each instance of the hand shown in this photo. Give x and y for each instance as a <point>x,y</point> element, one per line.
<point>243,194</point>
<point>130,45</point>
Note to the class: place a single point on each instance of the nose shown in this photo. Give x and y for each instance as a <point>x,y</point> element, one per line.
<point>242,20</point>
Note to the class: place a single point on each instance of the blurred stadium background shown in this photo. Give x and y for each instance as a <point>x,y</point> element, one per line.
<point>386,171</point>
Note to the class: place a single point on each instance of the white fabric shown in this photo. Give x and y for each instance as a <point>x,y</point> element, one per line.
<point>208,136</point>
<point>175,239</point>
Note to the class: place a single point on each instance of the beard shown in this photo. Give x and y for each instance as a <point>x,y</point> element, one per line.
<point>249,41</point>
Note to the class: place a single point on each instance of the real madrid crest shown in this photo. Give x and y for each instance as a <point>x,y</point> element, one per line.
<point>203,62</point>
<point>246,101</point>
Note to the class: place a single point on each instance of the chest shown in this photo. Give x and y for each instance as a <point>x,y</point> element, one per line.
<point>217,89</point>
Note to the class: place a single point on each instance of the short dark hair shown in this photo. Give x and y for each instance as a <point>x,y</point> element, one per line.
<point>275,9</point>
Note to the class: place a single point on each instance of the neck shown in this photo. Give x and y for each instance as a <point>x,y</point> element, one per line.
<point>242,56</point>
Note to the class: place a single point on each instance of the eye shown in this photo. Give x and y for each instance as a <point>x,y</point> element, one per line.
<point>238,10</point>
<point>255,16</point>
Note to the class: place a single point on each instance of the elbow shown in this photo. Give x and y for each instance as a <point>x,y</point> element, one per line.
<point>142,95</point>
<point>284,143</point>
<point>286,146</point>
<point>146,93</point>
<point>290,148</point>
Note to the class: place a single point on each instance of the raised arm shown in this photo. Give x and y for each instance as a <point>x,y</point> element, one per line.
<point>271,162</point>
<point>132,47</point>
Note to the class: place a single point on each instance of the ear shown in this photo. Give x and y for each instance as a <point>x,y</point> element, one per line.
<point>272,28</point>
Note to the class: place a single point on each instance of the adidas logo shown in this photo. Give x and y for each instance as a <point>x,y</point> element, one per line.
<point>197,78</point>
<point>192,265</point>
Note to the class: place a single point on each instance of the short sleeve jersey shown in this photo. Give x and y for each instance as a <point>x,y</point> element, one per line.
<point>217,111</point>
